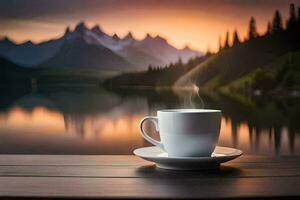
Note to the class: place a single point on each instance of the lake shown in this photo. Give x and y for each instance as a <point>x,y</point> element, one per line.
<point>91,120</point>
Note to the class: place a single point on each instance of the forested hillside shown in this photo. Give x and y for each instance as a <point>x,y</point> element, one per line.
<point>268,61</point>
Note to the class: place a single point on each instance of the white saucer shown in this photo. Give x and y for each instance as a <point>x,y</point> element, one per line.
<point>158,156</point>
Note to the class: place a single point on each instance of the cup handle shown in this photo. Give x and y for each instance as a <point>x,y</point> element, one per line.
<point>146,136</point>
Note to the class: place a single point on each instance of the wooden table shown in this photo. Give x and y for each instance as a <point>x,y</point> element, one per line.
<point>55,176</point>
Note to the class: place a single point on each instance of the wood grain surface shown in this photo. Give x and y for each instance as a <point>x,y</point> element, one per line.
<point>69,176</point>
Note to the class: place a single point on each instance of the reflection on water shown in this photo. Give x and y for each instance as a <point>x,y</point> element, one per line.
<point>255,141</point>
<point>98,122</point>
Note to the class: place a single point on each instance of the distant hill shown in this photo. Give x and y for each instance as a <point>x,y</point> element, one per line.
<point>232,63</point>
<point>94,49</point>
<point>28,54</point>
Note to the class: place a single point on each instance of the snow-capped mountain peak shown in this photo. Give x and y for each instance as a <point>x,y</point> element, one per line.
<point>148,36</point>
<point>129,36</point>
<point>97,30</point>
<point>161,39</point>
<point>67,31</point>
<point>116,37</point>
<point>81,27</point>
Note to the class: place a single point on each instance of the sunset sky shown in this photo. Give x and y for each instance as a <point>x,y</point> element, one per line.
<point>197,23</point>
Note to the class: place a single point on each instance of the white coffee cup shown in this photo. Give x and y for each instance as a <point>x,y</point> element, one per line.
<point>185,132</point>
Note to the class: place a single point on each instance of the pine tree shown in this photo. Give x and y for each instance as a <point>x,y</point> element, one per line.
<point>208,51</point>
<point>226,45</point>
<point>292,20</point>
<point>277,22</point>
<point>220,43</point>
<point>150,68</point>
<point>252,29</point>
<point>179,63</point>
<point>236,39</point>
<point>269,29</point>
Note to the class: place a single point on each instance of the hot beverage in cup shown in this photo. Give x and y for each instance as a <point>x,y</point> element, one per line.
<point>185,132</point>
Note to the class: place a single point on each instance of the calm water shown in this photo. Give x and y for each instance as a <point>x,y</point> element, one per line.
<point>94,121</point>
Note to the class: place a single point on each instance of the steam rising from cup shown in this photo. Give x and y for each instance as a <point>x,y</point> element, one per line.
<point>191,96</point>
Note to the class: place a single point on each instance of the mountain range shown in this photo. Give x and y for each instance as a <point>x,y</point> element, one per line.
<point>92,48</point>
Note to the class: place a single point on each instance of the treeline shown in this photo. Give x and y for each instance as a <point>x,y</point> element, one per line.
<point>155,75</point>
<point>177,66</point>
<point>274,27</point>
